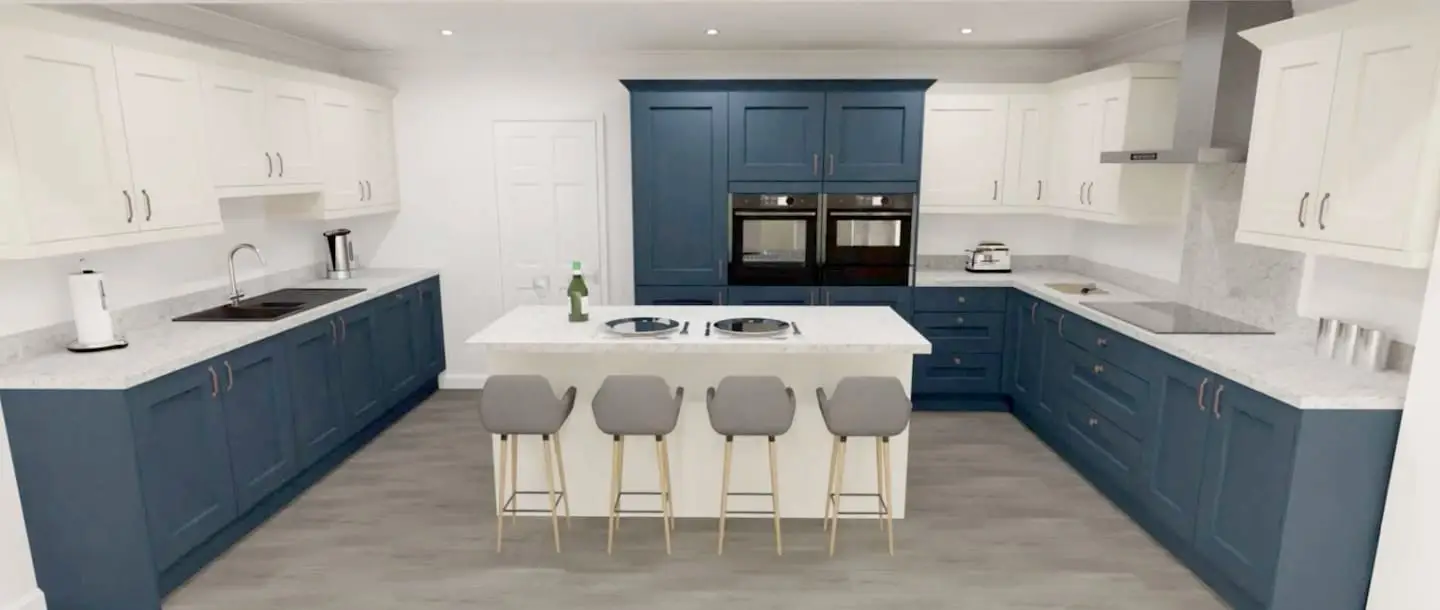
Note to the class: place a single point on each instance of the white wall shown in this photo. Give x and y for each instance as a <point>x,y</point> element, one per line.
<point>1150,250</point>
<point>1025,235</point>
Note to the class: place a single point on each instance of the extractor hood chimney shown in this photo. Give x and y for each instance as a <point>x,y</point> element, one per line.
<point>1218,74</point>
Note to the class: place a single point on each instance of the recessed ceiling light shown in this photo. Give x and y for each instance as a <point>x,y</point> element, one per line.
<point>966,31</point>
<point>446,33</point>
<point>712,32</point>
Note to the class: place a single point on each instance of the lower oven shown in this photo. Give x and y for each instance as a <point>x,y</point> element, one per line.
<point>774,239</point>
<point>867,239</point>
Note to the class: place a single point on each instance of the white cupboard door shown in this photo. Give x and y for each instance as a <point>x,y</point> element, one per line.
<point>290,122</point>
<point>69,138</point>
<point>338,122</point>
<point>1287,140</point>
<point>1075,168</point>
<point>1027,150</point>
<point>1112,109</point>
<point>165,133</point>
<point>1384,99</point>
<point>378,153</point>
<point>964,160</point>
<point>235,127</point>
<point>547,185</point>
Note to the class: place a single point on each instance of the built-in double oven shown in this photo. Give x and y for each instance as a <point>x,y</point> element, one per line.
<point>809,239</point>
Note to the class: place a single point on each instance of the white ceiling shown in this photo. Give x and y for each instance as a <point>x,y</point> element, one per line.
<point>679,26</point>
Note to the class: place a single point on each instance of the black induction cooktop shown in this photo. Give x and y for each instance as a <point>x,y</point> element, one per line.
<point>1167,318</point>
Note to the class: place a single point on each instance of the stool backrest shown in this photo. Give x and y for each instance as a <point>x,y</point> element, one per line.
<point>521,404</point>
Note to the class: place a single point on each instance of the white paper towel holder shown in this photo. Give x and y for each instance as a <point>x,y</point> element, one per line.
<point>81,348</point>
<point>114,341</point>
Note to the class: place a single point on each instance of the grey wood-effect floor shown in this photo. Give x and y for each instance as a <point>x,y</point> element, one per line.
<point>996,521</point>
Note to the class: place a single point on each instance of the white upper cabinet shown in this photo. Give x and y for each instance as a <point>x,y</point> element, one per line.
<point>356,143</point>
<point>963,163</point>
<point>1345,147</point>
<point>377,149</point>
<point>263,135</point>
<point>290,121</point>
<point>1027,152</point>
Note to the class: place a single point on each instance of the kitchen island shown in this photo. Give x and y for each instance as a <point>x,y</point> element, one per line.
<point>835,342</point>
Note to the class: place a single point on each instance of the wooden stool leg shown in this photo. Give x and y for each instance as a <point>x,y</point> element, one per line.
<point>879,481</point>
<point>830,480</point>
<point>514,480</point>
<point>560,465</point>
<point>620,480</point>
<point>839,489</point>
<point>724,492</point>
<point>890,528</point>
<point>664,491</point>
<point>501,500</point>
<point>669,502</point>
<point>614,493</point>
<point>775,497</point>
<point>550,487</point>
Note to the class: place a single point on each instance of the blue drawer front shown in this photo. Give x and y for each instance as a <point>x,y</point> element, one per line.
<point>680,295</point>
<point>949,372</point>
<point>1116,393</point>
<point>1104,445</point>
<point>976,333</point>
<point>961,299</point>
<point>1134,356</point>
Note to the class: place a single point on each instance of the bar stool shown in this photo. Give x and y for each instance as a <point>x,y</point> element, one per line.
<point>638,405</point>
<point>513,405</point>
<point>750,406</point>
<point>866,407</point>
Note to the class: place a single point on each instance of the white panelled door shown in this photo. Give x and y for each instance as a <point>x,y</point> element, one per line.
<point>165,133</point>
<point>236,129</point>
<point>290,121</point>
<point>377,166</point>
<point>1384,94</point>
<point>550,211</point>
<point>70,149</point>
<point>1287,142</point>
<point>1111,112</point>
<point>964,158</point>
<point>338,122</point>
<point>1027,151</point>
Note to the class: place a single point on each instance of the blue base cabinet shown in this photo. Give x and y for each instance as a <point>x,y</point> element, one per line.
<point>128,493</point>
<point>680,295</point>
<point>773,295</point>
<point>967,332</point>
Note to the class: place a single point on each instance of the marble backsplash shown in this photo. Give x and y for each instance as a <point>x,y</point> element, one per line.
<point>28,344</point>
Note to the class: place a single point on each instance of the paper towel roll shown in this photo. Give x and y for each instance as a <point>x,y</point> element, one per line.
<point>93,325</point>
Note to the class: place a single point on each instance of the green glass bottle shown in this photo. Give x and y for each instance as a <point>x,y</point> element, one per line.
<point>579,295</point>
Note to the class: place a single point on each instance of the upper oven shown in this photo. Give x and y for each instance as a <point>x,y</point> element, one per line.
<point>867,239</point>
<point>774,239</point>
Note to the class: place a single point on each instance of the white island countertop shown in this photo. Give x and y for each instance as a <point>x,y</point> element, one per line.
<point>1283,366</point>
<point>824,330</point>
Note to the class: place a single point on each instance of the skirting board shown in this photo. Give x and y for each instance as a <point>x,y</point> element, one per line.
<point>34,600</point>
<point>462,381</point>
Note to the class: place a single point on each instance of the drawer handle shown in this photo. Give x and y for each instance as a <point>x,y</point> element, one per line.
<point>1093,422</point>
<point>1102,342</point>
<point>1099,368</point>
<point>957,361</point>
<point>960,300</point>
<point>959,320</point>
<point>1200,393</point>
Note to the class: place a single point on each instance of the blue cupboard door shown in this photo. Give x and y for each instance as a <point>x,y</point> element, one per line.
<point>315,390</point>
<point>773,295</point>
<point>895,297</point>
<point>776,135</point>
<point>394,353</point>
<point>1054,396</point>
<point>360,389</point>
<point>427,329</point>
<point>1248,460</point>
<point>873,135</point>
<point>1175,458</point>
<point>259,422</point>
<point>183,458</point>
<point>1025,351</point>
<point>680,145</point>
<point>680,295</point>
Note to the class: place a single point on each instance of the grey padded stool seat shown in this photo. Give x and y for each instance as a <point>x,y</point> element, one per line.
<point>638,405</point>
<point>867,407</point>
<point>512,405</point>
<point>750,406</point>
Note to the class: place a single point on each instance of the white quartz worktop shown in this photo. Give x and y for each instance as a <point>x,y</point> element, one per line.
<point>1281,366</point>
<point>164,348</point>
<point>824,330</point>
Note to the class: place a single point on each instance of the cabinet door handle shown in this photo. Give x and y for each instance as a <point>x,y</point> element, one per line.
<point>1102,342</point>
<point>1090,194</point>
<point>1062,325</point>
<point>995,194</point>
<point>832,163</point>
<point>1099,368</point>
<point>1323,201</point>
<point>1039,189</point>
<point>214,382</point>
<point>343,329</point>
<point>1200,393</point>
<point>282,163</point>
<point>1216,402</point>
<point>269,166</point>
<point>815,164</point>
<point>148,211</point>
<point>1093,422</point>
<point>360,185</point>
<point>334,334</point>
<point>1081,194</point>
<point>129,207</point>
<point>370,190</point>
<point>1300,216</point>
<point>1032,311</point>
<point>229,372</point>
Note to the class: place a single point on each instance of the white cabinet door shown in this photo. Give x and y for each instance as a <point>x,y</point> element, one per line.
<point>290,123</point>
<point>165,133</point>
<point>69,138</point>
<point>377,167</point>
<point>235,127</point>
<point>1287,140</point>
<point>1112,111</point>
<point>1027,150</point>
<point>338,122</point>
<point>1384,101</point>
<point>1075,170</point>
<point>964,158</point>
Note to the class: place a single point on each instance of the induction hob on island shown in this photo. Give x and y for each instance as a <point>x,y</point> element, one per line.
<point>1168,318</point>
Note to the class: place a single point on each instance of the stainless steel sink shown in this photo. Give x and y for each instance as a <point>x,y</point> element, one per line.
<point>271,305</point>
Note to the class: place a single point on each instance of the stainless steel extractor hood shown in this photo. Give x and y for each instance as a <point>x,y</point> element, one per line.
<point>1218,73</point>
